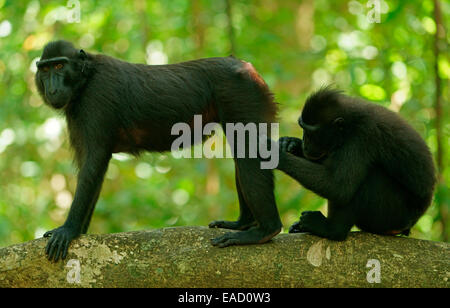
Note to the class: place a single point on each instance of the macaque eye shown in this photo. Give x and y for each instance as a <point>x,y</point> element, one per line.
<point>45,68</point>
<point>59,66</point>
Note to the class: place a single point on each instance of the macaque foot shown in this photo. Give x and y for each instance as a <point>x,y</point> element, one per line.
<point>309,221</point>
<point>59,241</point>
<point>232,225</point>
<point>296,228</point>
<point>316,223</point>
<point>254,235</point>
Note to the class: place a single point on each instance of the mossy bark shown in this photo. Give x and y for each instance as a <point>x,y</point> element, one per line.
<point>184,257</point>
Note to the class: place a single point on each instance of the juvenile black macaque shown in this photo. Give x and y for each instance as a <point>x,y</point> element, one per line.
<point>375,170</point>
<point>115,106</point>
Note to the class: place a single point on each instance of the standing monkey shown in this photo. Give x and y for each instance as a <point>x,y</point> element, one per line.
<point>114,106</point>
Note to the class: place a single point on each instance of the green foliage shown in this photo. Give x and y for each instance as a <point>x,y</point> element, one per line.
<point>297,46</point>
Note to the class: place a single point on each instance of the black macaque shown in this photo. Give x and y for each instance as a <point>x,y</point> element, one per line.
<point>375,170</point>
<point>114,106</point>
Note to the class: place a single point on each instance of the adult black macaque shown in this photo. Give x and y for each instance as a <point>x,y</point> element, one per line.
<point>114,106</point>
<point>375,170</point>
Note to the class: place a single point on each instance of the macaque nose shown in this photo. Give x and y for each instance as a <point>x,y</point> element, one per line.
<point>52,91</point>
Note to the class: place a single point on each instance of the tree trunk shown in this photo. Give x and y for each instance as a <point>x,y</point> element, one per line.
<point>440,44</point>
<point>230,29</point>
<point>184,257</point>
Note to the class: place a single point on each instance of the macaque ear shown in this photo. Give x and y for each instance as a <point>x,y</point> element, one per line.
<point>339,122</point>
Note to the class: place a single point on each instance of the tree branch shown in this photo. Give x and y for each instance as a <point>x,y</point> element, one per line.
<point>184,257</point>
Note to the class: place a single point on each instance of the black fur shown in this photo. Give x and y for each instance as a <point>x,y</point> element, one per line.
<point>116,106</point>
<point>375,170</point>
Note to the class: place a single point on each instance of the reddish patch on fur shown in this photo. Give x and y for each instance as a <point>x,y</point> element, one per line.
<point>208,115</point>
<point>128,140</point>
<point>248,67</point>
